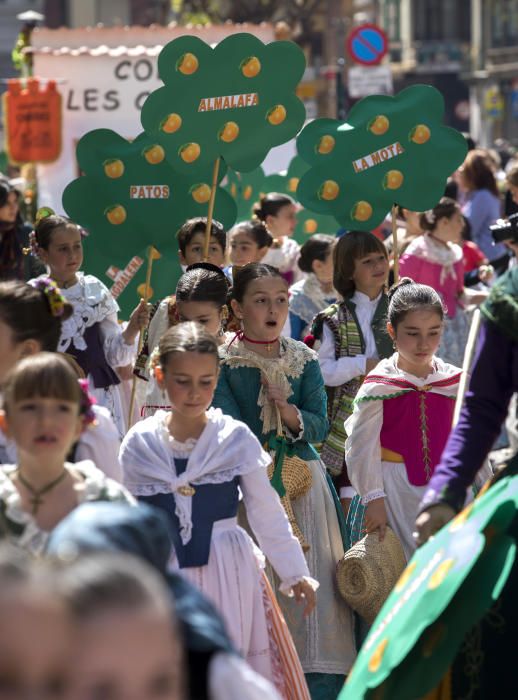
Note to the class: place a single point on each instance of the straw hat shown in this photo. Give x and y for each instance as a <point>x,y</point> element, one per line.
<point>368,572</point>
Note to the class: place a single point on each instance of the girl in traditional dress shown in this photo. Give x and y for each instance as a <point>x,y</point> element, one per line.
<point>31,316</point>
<point>45,409</point>
<point>279,214</point>
<point>402,415</point>
<point>201,296</point>
<point>191,462</point>
<point>353,339</point>
<point>92,334</point>
<point>262,374</point>
<point>315,293</point>
<point>434,259</point>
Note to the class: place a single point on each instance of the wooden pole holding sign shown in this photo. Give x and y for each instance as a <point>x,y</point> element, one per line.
<point>395,249</point>
<point>466,364</point>
<point>152,254</point>
<point>210,212</point>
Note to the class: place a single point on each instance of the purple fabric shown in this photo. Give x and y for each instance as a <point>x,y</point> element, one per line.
<point>92,360</point>
<point>406,410</point>
<point>493,382</point>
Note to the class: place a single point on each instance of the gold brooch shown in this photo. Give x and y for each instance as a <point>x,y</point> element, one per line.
<point>186,490</point>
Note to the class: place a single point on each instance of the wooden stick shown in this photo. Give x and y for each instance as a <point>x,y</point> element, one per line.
<point>466,363</point>
<point>395,250</point>
<point>152,254</point>
<point>210,212</point>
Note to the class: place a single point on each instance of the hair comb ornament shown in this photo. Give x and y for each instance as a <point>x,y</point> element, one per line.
<point>52,292</point>
<point>87,403</point>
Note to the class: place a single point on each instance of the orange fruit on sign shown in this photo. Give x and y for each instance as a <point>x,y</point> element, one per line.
<point>247,192</point>
<point>187,64</point>
<point>329,190</point>
<point>440,573</point>
<point>141,291</point>
<point>379,125</point>
<point>377,656</point>
<point>326,144</point>
<point>310,226</point>
<point>116,214</point>
<point>251,67</point>
<point>420,134</point>
<point>200,193</point>
<point>154,154</point>
<point>113,168</point>
<point>362,211</point>
<point>293,184</point>
<point>189,152</point>
<point>393,180</point>
<point>229,132</point>
<point>171,123</point>
<point>405,577</point>
<point>276,115</point>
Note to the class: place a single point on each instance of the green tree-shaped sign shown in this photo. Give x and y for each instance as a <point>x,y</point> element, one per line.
<point>235,101</point>
<point>446,588</point>
<point>247,188</point>
<point>390,150</point>
<point>130,197</point>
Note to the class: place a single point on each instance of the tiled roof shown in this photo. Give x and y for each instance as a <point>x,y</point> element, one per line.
<point>134,40</point>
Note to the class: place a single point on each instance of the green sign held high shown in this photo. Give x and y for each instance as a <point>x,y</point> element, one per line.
<point>235,101</point>
<point>391,150</point>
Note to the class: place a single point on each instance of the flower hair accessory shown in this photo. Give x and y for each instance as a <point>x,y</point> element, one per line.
<point>50,289</point>
<point>87,403</point>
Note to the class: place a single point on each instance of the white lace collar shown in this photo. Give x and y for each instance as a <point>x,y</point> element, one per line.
<point>226,449</point>
<point>92,303</point>
<point>294,356</point>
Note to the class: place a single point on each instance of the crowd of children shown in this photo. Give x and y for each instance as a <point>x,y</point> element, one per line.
<point>289,403</point>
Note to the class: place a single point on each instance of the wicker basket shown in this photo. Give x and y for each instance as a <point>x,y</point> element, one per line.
<point>368,572</point>
<point>297,480</point>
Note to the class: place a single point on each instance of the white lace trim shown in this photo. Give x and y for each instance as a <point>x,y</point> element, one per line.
<point>294,356</point>
<point>296,436</point>
<point>372,496</point>
<point>92,303</point>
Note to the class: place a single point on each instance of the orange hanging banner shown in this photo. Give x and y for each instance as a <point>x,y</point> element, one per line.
<point>32,121</point>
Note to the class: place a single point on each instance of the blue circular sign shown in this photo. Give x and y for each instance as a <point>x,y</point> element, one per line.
<point>367,44</point>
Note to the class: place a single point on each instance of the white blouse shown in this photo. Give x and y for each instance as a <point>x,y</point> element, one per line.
<point>342,370</point>
<point>363,447</point>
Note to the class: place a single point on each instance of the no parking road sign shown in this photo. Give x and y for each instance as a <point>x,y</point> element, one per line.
<point>367,44</point>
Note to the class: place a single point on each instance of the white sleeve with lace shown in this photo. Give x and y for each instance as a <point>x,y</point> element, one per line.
<point>338,371</point>
<point>363,450</point>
